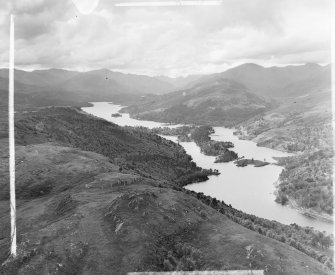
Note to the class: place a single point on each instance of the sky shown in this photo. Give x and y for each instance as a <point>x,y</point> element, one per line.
<point>175,41</point>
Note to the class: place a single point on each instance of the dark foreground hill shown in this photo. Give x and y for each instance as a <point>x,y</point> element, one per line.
<point>92,207</point>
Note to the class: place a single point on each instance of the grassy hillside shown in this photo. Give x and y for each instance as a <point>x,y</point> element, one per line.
<point>130,148</point>
<point>88,203</point>
<point>221,102</point>
<point>102,221</point>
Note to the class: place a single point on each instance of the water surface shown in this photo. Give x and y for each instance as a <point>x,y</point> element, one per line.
<point>250,189</point>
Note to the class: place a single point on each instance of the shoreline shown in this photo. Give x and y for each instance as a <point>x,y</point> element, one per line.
<point>310,213</point>
<point>324,217</point>
<point>304,212</point>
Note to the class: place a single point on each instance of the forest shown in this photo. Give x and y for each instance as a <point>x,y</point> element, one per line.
<point>307,178</point>
<point>136,149</point>
<point>201,136</point>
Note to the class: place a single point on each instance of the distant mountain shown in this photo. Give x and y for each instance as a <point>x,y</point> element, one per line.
<point>289,81</point>
<point>62,87</point>
<point>39,78</point>
<point>106,81</point>
<point>180,82</point>
<point>214,101</point>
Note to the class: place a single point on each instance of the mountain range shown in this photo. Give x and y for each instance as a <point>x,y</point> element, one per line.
<point>104,81</point>
<point>63,87</point>
<point>94,197</point>
<point>226,98</point>
<point>236,95</point>
<point>288,81</point>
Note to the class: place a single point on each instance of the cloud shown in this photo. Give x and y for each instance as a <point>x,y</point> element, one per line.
<point>170,40</point>
<point>86,6</point>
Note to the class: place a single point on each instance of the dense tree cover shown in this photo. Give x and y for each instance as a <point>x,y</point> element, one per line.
<point>291,135</point>
<point>116,115</point>
<point>136,149</point>
<point>307,178</point>
<point>200,135</point>
<point>214,148</point>
<point>166,131</point>
<point>183,132</point>
<point>305,239</point>
<point>245,162</point>
<point>226,156</point>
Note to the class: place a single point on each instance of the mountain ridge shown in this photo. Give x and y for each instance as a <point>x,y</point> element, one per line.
<point>274,81</point>
<point>220,102</point>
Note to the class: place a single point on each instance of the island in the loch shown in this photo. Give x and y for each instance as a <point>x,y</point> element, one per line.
<point>88,186</point>
<point>93,196</point>
<point>296,117</point>
<point>242,162</point>
<point>123,188</point>
<point>226,156</point>
<point>116,115</point>
<point>201,136</point>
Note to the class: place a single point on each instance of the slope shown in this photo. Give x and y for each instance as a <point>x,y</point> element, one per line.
<point>301,125</point>
<point>57,87</point>
<point>214,101</point>
<point>78,212</point>
<point>288,81</point>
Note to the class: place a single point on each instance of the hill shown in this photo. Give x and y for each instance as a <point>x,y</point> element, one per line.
<point>298,119</point>
<point>103,80</point>
<point>90,212</point>
<point>57,87</point>
<point>180,82</point>
<point>130,148</point>
<point>106,81</point>
<point>301,126</point>
<point>282,82</point>
<point>40,78</point>
<point>219,102</point>
<point>93,197</point>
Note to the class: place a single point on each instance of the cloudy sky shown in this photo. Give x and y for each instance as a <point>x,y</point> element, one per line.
<point>173,41</point>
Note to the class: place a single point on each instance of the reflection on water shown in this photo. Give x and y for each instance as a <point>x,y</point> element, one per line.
<point>249,189</point>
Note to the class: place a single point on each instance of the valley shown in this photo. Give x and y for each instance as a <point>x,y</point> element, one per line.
<point>83,209</point>
<point>166,137</point>
<point>291,112</point>
<point>146,192</point>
